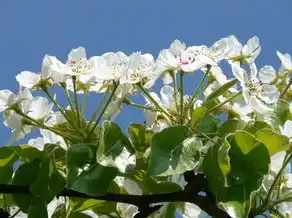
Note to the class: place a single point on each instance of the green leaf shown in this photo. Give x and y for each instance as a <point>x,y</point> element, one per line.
<point>151,186</point>
<point>168,210</point>
<point>26,174</point>
<point>79,215</point>
<point>229,126</point>
<point>273,141</point>
<point>99,206</point>
<point>115,149</point>
<point>37,209</point>
<point>140,136</point>
<point>5,174</point>
<point>78,156</point>
<point>49,182</point>
<point>278,116</point>
<point>197,114</point>
<point>254,126</point>
<point>94,181</point>
<point>208,124</point>
<point>7,156</point>
<point>27,153</point>
<point>222,89</point>
<point>172,152</point>
<point>235,184</point>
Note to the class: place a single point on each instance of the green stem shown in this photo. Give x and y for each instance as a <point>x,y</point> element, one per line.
<point>181,97</point>
<point>286,88</point>
<point>141,106</point>
<point>276,180</point>
<point>103,110</point>
<point>198,88</point>
<point>97,109</point>
<point>59,107</point>
<point>175,89</point>
<point>224,102</point>
<point>157,105</point>
<point>68,97</point>
<point>44,126</point>
<point>205,136</point>
<point>76,100</point>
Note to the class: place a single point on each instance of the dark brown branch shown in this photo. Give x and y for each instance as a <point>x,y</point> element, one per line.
<point>139,200</point>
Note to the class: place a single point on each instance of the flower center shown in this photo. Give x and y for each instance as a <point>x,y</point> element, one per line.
<point>79,67</point>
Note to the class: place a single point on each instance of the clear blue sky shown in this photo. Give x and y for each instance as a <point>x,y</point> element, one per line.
<point>30,29</point>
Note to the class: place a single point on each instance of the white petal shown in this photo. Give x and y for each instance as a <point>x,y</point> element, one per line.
<point>167,59</point>
<point>239,72</point>
<point>128,210</point>
<point>267,74</point>
<point>192,210</point>
<point>38,143</point>
<point>39,108</point>
<point>132,187</point>
<point>150,117</point>
<point>77,54</point>
<point>167,96</point>
<point>7,98</point>
<point>221,48</point>
<point>253,71</point>
<point>251,47</point>
<point>285,60</point>
<point>52,138</point>
<point>235,45</point>
<point>258,105</point>
<point>269,94</point>
<point>287,129</point>
<point>28,79</point>
<point>177,47</point>
<point>286,209</point>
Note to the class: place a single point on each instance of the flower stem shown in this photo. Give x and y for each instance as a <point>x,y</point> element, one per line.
<point>140,106</point>
<point>76,100</point>
<point>175,89</point>
<point>198,87</point>
<point>286,88</point>
<point>205,136</point>
<point>181,96</point>
<point>286,162</point>
<point>103,110</point>
<point>97,109</point>
<point>224,102</point>
<point>59,107</point>
<point>68,97</point>
<point>158,106</point>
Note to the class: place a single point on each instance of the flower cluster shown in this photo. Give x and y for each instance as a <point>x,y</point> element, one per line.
<point>241,91</point>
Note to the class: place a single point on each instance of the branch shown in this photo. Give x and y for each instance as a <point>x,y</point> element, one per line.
<point>204,202</point>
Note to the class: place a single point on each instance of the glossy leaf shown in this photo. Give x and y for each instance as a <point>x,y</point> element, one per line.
<point>115,149</point>
<point>37,209</point>
<point>95,180</point>
<point>7,156</point>
<point>5,174</point>
<point>27,153</point>
<point>172,152</point>
<point>140,136</point>
<point>208,124</point>
<point>26,174</point>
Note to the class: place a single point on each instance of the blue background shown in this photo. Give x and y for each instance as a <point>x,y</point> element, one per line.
<point>31,29</point>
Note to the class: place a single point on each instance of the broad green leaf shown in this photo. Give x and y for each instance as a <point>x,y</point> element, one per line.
<point>197,114</point>
<point>78,156</point>
<point>95,180</point>
<point>254,126</point>
<point>49,182</point>
<point>208,124</point>
<point>278,116</point>
<point>79,215</point>
<point>26,174</point>
<point>229,126</point>
<point>37,209</point>
<point>140,136</point>
<point>248,164</point>
<point>151,186</point>
<point>5,174</point>
<point>115,149</point>
<point>273,141</point>
<point>7,156</point>
<point>222,89</point>
<point>27,153</point>
<point>172,152</point>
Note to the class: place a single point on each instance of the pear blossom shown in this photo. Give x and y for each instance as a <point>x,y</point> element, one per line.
<point>287,129</point>
<point>192,211</point>
<point>48,137</point>
<point>286,62</point>
<point>51,73</point>
<point>247,52</point>
<point>110,66</point>
<point>256,90</point>
<point>139,67</point>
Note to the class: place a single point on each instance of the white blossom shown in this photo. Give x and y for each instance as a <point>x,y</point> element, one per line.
<point>256,90</point>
